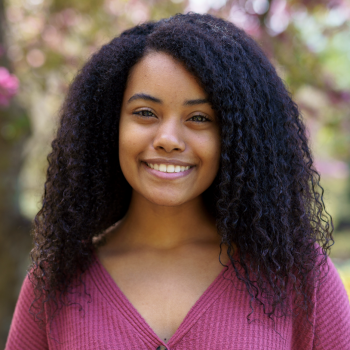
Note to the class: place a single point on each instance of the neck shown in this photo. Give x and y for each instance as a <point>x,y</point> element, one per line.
<point>150,226</point>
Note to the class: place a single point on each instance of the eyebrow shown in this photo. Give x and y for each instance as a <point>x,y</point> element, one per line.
<point>147,97</point>
<point>198,101</point>
<point>144,97</point>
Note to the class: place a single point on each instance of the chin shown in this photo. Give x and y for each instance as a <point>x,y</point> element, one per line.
<point>167,200</point>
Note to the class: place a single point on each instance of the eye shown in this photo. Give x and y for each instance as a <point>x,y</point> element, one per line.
<point>199,118</point>
<point>144,113</point>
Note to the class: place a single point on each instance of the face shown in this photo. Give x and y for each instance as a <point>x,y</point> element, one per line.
<point>169,144</point>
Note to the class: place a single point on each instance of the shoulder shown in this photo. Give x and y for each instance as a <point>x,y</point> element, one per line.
<point>25,331</point>
<point>332,310</point>
<point>330,286</point>
<point>31,326</point>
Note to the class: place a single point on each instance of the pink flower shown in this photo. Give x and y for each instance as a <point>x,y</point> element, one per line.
<point>8,86</point>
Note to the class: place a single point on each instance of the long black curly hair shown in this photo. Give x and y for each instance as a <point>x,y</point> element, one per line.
<point>266,198</point>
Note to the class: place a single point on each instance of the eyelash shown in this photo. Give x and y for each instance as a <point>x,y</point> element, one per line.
<point>200,116</point>
<point>140,113</point>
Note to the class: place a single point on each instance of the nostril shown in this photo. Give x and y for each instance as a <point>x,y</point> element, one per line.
<point>168,144</point>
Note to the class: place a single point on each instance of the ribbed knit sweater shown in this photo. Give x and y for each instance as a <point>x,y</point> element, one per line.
<point>218,320</point>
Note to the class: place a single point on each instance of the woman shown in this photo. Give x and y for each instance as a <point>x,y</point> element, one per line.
<point>181,208</point>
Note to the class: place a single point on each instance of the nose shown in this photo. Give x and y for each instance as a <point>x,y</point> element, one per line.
<point>169,137</point>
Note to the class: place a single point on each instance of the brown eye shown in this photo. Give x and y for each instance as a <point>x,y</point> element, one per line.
<point>144,113</point>
<point>199,118</point>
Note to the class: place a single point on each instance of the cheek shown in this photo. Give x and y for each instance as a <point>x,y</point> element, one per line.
<point>213,163</point>
<point>127,147</point>
<point>211,149</point>
<point>216,151</point>
<point>208,149</point>
<point>132,142</point>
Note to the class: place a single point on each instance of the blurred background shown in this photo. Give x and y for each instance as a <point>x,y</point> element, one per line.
<point>44,42</point>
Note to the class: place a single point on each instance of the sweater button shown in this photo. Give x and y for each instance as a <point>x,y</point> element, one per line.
<point>161,347</point>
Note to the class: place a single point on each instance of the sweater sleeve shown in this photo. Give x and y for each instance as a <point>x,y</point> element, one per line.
<point>332,324</point>
<point>25,332</point>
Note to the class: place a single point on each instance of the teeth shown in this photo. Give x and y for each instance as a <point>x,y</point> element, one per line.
<point>168,168</point>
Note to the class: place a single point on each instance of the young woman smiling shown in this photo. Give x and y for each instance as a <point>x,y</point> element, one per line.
<point>181,208</point>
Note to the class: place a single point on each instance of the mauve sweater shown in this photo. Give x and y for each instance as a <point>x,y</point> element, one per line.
<point>218,320</point>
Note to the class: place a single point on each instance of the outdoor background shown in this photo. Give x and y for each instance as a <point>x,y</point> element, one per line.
<point>44,42</point>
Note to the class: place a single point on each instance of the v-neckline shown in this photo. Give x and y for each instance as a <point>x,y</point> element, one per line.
<point>111,291</point>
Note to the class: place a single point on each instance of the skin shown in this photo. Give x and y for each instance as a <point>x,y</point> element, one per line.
<point>167,226</point>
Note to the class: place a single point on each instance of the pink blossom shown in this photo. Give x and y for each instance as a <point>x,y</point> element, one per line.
<point>250,23</point>
<point>8,86</point>
<point>332,168</point>
<point>279,17</point>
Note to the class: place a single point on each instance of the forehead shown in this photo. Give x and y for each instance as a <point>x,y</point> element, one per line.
<point>160,73</point>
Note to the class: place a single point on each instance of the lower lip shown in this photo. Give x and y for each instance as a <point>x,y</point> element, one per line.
<point>167,176</point>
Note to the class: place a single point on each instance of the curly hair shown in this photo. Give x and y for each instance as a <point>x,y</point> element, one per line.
<point>266,197</point>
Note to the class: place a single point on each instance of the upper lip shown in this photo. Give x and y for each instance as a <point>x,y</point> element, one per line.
<point>166,161</point>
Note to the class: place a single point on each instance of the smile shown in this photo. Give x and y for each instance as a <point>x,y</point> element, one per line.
<point>168,168</point>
